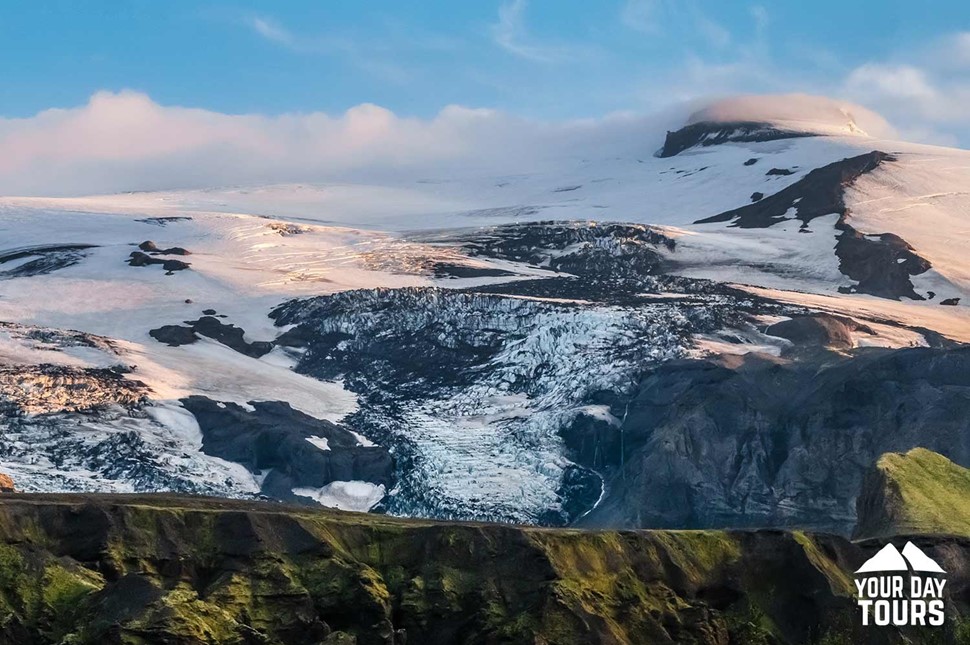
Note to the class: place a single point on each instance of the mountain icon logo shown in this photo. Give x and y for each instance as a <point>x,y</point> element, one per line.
<point>901,588</point>
<point>890,559</point>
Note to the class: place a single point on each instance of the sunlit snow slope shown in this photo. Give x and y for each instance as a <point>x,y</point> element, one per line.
<point>64,265</point>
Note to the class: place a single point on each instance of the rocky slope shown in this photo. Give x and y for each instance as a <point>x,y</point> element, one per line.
<point>764,442</point>
<point>164,569</point>
<point>916,492</point>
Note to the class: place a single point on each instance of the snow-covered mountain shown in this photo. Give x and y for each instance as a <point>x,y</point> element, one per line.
<point>519,347</point>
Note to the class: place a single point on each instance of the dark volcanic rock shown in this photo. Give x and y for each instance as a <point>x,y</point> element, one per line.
<point>174,265</point>
<point>149,247</point>
<point>139,259</point>
<point>174,335</point>
<point>821,192</point>
<point>163,221</point>
<point>211,327</point>
<point>594,442</point>
<point>881,264</point>
<point>822,330</point>
<point>273,437</point>
<point>600,252</point>
<point>230,336</point>
<point>453,270</point>
<point>779,172</point>
<point>751,162</point>
<point>757,196</point>
<point>167,569</point>
<point>952,302</point>
<point>711,134</point>
<point>771,444</point>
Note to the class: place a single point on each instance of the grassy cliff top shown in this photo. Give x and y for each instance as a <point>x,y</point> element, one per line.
<point>140,569</point>
<point>918,492</point>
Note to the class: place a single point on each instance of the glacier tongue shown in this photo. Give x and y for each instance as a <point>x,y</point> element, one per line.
<point>471,390</point>
<point>117,450</point>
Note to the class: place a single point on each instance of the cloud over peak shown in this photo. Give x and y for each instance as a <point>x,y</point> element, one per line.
<point>120,141</point>
<point>813,113</point>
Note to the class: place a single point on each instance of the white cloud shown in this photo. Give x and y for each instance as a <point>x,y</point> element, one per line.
<point>919,98</point>
<point>924,90</point>
<point>271,31</point>
<point>794,108</point>
<point>363,55</point>
<point>951,53</point>
<point>125,141</point>
<point>894,82</point>
<point>510,33</point>
<point>666,17</point>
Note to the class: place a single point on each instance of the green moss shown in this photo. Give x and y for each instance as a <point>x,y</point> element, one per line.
<point>18,592</point>
<point>933,493</point>
<point>512,626</point>
<point>751,627</point>
<point>600,577</point>
<point>225,570</point>
<point>700,553</point>
<point>41,593</point>
<point>840,582</point>
<point>63,591</point>
<point>182,617</point>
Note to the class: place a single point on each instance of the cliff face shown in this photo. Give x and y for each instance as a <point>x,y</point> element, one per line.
<point>707,134</point>
<point>166,569</point>
<point>916,492</point>
<point>769,443</point>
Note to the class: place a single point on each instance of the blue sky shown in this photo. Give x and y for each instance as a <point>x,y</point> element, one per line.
<point>547,59</point>
<point>151,94</point>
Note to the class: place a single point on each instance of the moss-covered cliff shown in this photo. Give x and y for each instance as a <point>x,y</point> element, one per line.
<point>164,569</point>
<point>918,492</point>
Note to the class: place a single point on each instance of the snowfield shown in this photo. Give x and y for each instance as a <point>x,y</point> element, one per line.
<point>481,449</point>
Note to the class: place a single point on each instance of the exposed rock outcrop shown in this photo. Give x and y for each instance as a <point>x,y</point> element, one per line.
<point>150,247</point>
<point>773,443</point>
<point>211,327</point>
<point>708,133</point>
<point>6,484</point>
<point>286,447</point>
<point>139,259</point>
<point>818,330</point>
<point>42,389</point>
<point>881,264</point>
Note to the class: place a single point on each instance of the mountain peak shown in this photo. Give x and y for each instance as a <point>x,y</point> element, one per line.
<point>796,113</point>
<point>747,119</point>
